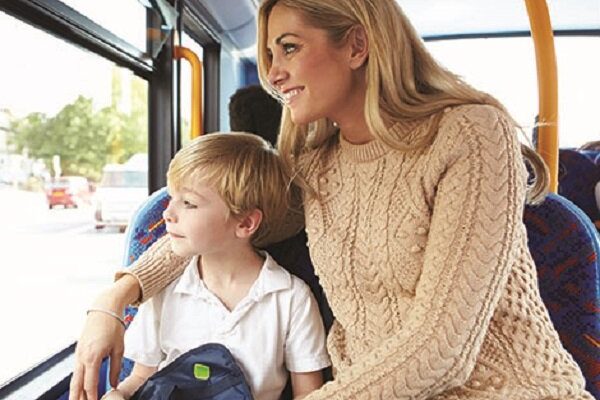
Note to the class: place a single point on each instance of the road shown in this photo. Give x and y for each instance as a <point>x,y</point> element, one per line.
<point>52,264</point>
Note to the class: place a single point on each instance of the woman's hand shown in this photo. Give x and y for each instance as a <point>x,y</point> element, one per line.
<point>102,336</point>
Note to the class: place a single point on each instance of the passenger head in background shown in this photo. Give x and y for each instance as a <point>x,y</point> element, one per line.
<point>253,110</point>
<point>241,168</point>
<point>593,145</point>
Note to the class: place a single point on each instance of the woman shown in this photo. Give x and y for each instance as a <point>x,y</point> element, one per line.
<point>414,188</point>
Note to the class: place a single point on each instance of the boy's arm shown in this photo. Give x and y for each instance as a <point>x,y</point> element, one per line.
<point>305,382</point>
<point>139,375</point>
<point>306,355</point>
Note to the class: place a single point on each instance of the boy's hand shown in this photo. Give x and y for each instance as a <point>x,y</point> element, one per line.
<point>113,394</point>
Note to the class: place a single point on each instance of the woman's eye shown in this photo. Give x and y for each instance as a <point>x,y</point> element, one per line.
<point>289,48</point>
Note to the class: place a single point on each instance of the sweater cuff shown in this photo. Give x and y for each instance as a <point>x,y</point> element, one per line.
<point>155,268</point>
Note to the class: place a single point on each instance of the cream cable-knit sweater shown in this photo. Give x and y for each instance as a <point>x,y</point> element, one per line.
<point>423,257</point>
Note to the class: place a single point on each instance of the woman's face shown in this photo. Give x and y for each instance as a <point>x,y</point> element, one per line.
<point>312,74</point>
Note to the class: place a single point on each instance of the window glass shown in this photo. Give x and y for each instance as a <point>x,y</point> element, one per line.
<point>505,68</point>
<point>67,124</point>
<point>124,18</point>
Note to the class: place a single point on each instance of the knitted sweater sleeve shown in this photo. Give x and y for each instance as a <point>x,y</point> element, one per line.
<point>471,246</point>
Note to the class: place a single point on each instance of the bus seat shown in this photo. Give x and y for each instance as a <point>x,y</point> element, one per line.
<point>565,247</point>
<point>578,178</point>
<point>147,225</point>
<point>593,155</point>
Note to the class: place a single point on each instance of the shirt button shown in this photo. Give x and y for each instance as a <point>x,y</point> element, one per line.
<point>447,109</point>
<point>323,180</point>
<point>324,193</point>
<point>421,230</point>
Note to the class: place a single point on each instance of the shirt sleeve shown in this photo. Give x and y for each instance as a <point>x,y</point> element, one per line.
<point>305,347</point>
<point>142,343</point>
<point>475,226</point>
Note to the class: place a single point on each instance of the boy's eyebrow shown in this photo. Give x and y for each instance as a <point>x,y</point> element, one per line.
<point>192,191</point>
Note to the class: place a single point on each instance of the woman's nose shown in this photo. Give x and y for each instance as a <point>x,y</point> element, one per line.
<point>276,75</point>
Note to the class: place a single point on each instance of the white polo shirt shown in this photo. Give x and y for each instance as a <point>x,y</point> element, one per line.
<point>277,326</point>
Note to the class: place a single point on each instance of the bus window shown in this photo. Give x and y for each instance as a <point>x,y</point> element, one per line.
<point>122,189</point>
<point>65,114</point>
<point>134,31</point>
<point>505,67</point>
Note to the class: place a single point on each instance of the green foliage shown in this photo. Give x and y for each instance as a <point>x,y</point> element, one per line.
<point>85,139</point>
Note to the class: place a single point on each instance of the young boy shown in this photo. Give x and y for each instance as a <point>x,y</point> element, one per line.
<point>227,190</point>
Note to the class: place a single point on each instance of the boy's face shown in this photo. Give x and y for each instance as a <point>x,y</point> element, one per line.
<point>197,221</point>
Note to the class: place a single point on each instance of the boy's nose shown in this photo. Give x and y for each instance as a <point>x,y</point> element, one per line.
<point>168,214</point>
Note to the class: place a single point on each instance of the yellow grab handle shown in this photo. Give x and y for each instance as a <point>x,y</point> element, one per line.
<point>196,64</point>
<point>543,40</point>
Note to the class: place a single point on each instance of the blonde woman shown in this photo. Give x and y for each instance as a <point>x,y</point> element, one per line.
<point>414,187</point>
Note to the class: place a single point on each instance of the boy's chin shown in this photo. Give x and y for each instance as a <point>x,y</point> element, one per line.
<point>179,251</point>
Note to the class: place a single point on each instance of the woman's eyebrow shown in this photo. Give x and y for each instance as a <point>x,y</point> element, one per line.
<point>283,35</point>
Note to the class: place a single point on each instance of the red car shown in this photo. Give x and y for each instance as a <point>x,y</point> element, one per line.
<point>68,191</point>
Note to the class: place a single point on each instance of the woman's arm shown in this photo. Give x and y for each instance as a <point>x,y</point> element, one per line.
<point>471,247</point>
<point>102,334</point>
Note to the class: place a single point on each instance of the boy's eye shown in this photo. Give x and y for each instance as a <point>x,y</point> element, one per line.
<point>188,204</point>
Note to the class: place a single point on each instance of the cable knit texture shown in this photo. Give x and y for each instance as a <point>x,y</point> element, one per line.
<point>423,257</point>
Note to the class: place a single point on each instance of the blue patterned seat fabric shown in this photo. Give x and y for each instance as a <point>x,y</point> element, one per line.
<point>565,247</point>
<point>578,176</point>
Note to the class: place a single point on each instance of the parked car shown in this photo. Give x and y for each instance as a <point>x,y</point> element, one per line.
<point>68,191</point>
<point>122,189</point>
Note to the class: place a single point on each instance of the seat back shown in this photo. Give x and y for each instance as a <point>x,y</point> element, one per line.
<point>577,181</point>
<point>565,247</point>
<point>593,155</point>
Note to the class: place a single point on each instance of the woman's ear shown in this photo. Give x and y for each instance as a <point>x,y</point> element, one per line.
<point>248,223</point>
<point>359,46</point>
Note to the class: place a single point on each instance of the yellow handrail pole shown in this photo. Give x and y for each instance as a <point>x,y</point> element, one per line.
<point>543,40</point>
<point>196,64</point>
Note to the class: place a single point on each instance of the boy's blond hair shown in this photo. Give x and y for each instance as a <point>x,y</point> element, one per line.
<point>242,168</point>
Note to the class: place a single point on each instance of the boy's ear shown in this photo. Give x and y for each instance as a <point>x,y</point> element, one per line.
<point>249,223</point>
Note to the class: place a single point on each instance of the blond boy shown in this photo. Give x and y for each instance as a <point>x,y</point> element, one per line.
<point>227,190</point>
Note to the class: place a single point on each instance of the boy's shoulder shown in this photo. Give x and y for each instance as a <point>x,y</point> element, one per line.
<point>279,280</point>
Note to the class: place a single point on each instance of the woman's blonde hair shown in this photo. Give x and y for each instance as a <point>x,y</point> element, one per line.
<point>242,168</point>
<point>406,83</point>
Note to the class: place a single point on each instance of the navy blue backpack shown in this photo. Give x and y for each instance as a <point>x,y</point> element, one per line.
<point>206,372</point>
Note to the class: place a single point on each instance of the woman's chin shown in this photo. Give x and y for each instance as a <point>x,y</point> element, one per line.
<point>300,118</point>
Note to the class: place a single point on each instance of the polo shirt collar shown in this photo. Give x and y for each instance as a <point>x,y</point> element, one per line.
<point>272,278</point>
